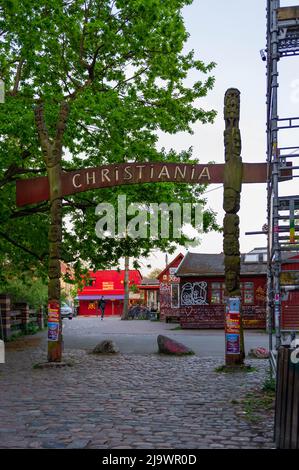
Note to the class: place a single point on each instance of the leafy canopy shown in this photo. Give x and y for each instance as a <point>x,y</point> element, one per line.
<point>122,68</point>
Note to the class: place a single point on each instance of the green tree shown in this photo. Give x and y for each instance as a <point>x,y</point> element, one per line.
<point>90,82</point>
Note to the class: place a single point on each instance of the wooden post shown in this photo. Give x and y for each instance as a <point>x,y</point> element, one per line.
<point>24,309</point>
<point>5,320</point>
<point>40,317</point>
<point>233,174</point>
<point>126,288</point>
<point>52,152</point>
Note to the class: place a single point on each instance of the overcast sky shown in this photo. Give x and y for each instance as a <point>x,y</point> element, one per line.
<point>232,33</point>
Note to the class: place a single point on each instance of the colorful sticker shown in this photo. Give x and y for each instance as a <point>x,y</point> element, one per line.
<point>234,305</point>
<point>53,312</point>
<point>233,322</point>
<point>53,331</point>
<point>232,344</point>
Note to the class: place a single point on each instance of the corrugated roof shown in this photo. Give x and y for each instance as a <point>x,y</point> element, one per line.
<point>146,281</point>
<point>208,264</point>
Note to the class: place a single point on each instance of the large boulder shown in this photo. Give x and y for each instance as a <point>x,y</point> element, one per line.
<point>259,353</point>
<point>170,346</point>
<point>106,347</point>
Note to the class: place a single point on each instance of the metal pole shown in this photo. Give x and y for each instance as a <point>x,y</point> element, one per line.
<point>274,256</point>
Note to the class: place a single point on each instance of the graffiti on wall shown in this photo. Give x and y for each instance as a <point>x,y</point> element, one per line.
<point>165,294</point>
<point>194,293</point>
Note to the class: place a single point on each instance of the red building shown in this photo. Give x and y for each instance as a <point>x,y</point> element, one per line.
<point>169,290</point>
<point>289,281</point>
<point>202,289</point>
<point>150,293</point>
<point>110,285</point>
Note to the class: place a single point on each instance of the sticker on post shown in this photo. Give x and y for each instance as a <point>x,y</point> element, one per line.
<point>232,344</point>
<point>53,331</point>
<point>234,305</point>
<point>53,312</point>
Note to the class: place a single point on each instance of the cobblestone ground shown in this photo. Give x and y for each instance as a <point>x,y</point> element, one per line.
<point>127,402</point>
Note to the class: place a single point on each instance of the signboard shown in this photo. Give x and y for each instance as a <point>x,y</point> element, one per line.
<point>232,325</point>
<point>289,278</point>
<point>108,285</point>
<point>35,190</point>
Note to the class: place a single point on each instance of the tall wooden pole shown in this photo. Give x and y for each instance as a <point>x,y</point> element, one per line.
<point>52,153</point>
<point>126,289</point>
<point>233,173</point>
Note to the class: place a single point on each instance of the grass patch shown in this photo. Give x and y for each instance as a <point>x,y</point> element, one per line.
<point>30,330</point>
<point>260,402</point>
<point>235,369</point>
<point>53,365</point>
<point>176,328</point>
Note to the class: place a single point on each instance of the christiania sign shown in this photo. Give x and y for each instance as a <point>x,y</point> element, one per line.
<point>34,190</point>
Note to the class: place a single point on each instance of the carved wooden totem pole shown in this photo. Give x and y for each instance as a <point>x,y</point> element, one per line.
<point>231,204</point>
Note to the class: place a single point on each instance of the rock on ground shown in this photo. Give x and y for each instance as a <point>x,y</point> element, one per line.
<point>170,346</point>
<point>106,347</point>
<point>259,353</point>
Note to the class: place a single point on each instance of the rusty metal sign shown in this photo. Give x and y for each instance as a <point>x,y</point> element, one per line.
<point>34,190</point>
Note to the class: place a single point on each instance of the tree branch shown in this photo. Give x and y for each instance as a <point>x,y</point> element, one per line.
<point>21,247</point>
<point>13,171</point>
<point>41,208</point>
<point>43,131</point>
<point>18,77</point>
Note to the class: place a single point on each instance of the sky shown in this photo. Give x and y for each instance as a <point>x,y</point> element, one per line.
<point>232,33</point>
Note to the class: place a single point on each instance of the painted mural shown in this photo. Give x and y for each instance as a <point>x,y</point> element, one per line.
<point>194,293</point>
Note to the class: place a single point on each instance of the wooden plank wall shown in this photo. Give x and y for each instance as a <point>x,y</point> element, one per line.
<point>288,13</point>
<point>287,401</point>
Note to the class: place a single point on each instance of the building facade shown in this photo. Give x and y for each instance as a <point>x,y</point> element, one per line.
<point>202,290</point>
<point>110,285</point>
<point>169,287</point>
<point>149,289</point>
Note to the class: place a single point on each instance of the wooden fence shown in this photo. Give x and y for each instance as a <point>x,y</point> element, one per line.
<point>287,399</point>
<point>18,317</point>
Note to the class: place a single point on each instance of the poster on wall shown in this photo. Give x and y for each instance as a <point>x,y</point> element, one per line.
<point>53,321</point>
<point>53,312</point>
<point>233,325</point>
<point>232,344</point>
<point>53,331</point>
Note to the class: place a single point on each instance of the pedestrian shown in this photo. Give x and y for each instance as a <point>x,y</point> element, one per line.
<point>102,304</point>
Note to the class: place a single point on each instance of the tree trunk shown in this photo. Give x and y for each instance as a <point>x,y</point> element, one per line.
<point>55,241</point>
<point>52,152</point>
<point>126,288</point>
<point>233,173</point>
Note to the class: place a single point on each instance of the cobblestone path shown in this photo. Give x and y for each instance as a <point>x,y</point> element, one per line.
<point>142,401</point>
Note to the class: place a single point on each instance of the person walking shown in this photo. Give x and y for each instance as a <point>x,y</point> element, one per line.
<point>102,304</point>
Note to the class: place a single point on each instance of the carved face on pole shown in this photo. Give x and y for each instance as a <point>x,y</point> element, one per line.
<point>233,144</point>
<point>231,202</point>
<point>230,281</point>
<point>232,106</point>
<point>231,245</point>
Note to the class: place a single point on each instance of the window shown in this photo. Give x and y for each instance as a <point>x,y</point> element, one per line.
<point>251,258</point>
<point>175,295</point>
<point>247,291</point>
<point>217,293</point>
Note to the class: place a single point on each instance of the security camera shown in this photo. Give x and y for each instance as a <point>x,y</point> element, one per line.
<point>263,55</point>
